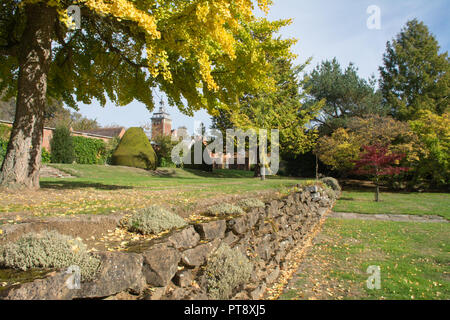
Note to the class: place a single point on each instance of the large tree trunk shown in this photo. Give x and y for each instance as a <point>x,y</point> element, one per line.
<point>22,162</point>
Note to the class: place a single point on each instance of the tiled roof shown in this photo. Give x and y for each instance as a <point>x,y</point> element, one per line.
<point>107,132</point>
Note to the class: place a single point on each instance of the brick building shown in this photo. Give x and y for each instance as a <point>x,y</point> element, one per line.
<point>105,134</point>
<point>161,123</point>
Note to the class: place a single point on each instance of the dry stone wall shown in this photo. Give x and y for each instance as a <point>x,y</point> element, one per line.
<point>173,267</point>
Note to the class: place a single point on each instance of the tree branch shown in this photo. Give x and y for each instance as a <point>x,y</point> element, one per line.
<point>118,51</point>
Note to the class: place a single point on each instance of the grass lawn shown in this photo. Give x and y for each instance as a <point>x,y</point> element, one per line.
<point>107,189</point>
<point>395,203</point>
<point>414,259</point>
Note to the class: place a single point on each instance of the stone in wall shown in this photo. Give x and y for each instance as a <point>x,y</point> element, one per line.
<point>211,230</point>
<point>160,264</point>
<point>197,256</point>
<point>172,266</point>
<point>184,239</point>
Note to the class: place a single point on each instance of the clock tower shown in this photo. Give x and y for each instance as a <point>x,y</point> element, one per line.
<point>161,123</point>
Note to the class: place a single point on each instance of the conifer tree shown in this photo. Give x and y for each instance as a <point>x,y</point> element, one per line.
<point>415,75</point>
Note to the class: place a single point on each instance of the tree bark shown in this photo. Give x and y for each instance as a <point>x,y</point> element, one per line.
<point>257,169</point>
<point>22,162</point>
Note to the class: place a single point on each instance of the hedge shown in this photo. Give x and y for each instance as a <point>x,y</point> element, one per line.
<point>62,146</point>
<point>89,151</point>
<point>4,146</point>
<point>68,148</point>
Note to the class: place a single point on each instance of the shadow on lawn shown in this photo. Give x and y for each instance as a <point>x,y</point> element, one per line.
<point>69,185</point>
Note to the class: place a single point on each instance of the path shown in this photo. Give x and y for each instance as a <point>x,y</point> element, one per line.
<point>50,172</point>
<point>389,217</point>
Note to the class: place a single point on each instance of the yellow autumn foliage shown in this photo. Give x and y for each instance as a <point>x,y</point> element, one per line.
<point>206,27</point>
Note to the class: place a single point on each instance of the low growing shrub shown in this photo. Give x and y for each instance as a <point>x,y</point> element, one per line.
<point>163,149</point>
<point>251,203</point>
<point>166,163</point>
<point>332,183</point>
<point>223,209</point>
<point>226,270</point>
<point>46,157</point>
<point>330,192</point>
<point>153,220</point>
<point>49,249</point>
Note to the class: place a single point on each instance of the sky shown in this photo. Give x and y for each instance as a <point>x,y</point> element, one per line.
<point>325,29</point>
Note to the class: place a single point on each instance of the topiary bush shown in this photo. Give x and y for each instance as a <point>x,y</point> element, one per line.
<point>223,209</point>
<point>135,150</point>
<point>49,249</point>
<point>251,203</point>
<point>153,220</point>
<point>62,146</point>
<point>89,151</point>
<point>190,157</point>
<point>332,183</point>
<point>225,271</point>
